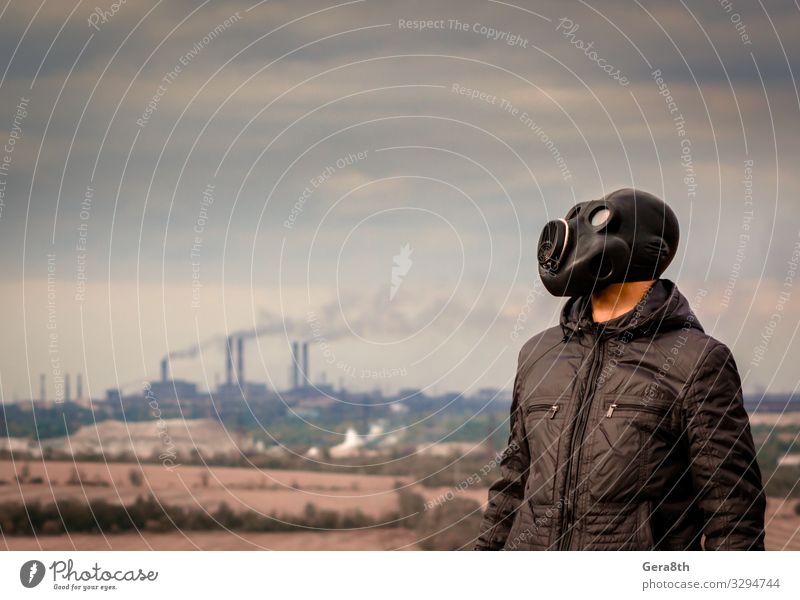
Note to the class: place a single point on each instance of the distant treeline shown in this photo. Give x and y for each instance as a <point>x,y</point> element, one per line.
<point>782,482</point>
<point>148,514</point>
<point>17,420</point>
<point>451,525</point>
<point>774,442</point>
<point>479,468</point>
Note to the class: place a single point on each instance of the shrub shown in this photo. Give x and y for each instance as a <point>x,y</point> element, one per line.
<point>75,477</point>
<point>147,514</point>
<point>136,477</point>
<point>453,525</point>
<point>23,474</point>
<point>411,507</point>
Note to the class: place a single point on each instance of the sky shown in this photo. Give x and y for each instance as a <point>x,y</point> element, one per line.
<point>372,177</point>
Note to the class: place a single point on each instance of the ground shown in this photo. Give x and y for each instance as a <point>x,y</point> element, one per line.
<point>263,490</point>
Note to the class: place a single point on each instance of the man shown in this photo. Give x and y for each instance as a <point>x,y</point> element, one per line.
<point>628,430</point>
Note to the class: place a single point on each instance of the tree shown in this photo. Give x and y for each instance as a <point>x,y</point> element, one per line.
<point>136,477</point>
<point>24,473</point>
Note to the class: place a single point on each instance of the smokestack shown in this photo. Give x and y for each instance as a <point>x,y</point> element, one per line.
<point>306,372</point>
<point>228,362</point>
<point>240,361</point>
<point>79,387</point>
<point>66,388</point>
<point>42,388</point>
<point>164,370</point>
<point>295,365</point>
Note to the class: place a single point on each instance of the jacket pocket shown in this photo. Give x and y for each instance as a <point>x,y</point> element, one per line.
<point>544,420</point>
<point>621,439</point>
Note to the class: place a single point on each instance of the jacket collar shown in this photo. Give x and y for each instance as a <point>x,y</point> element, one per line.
<point>662,308</point>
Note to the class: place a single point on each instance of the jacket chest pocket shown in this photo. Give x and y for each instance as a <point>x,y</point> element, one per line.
<point>621,444</point>
<point>544,420</point>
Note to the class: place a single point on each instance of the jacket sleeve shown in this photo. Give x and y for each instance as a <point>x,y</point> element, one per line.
<point>724,472</point>
<point>507,492</point>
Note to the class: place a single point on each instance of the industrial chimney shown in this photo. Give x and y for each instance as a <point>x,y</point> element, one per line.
<point>42,389</point>
<point>79,387</point>
<point>164,370</point>
<point>228,362</point>
<point>66,388</point>
<point>295,365</point>
<point>240,360</point>
<point>306,372</point>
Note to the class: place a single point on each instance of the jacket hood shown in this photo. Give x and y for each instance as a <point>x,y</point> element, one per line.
<point>663,308</point>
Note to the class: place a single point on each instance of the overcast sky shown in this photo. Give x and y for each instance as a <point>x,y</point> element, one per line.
<point>185,170</point>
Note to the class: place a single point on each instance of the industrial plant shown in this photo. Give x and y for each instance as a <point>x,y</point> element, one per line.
<point>185,396</point>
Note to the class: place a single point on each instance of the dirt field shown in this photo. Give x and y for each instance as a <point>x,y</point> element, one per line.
<point>266,491</point>
<point>783,525</point>
<point>370,539</point>
<point>783,419</point>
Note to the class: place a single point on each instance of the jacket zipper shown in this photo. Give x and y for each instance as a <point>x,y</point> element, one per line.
<point>633,407</point>
<point>570,491</point>
<point>551,409</point>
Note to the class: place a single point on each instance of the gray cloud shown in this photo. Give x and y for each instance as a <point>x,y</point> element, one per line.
<point>387,92</point>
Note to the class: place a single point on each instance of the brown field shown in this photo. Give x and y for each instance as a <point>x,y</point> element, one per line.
<point>394,538</point>
<point>262,490</point>
<point>783,524</point>
<point>784,419</point>
<point>267,491</point>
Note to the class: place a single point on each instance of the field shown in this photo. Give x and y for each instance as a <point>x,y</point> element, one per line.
<point>281,492</point>
<point>263,490</point>
<point>369,539</point>
<point>783,525</point>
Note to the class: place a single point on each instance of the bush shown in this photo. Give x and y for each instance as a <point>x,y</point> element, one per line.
<point>23,474</point>
<point>453,525</point>
<point>147,514</point>
<point>782,482</point>
<point>136,477</point>
<point>411,507</point>
<point>52,527</point>
<point>75,477</point>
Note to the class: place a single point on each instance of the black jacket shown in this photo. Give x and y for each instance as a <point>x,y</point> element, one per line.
<point>627,435</point>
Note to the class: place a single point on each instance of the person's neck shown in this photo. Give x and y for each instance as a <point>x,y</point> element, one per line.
<point>617,299</point>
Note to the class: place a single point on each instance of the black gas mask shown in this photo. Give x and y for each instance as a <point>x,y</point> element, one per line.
<point>628,235</point>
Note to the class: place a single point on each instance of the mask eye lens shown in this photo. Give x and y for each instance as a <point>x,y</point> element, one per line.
<point>600,217</point>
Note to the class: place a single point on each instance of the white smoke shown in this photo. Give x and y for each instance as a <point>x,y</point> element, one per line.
<point>402,265</point>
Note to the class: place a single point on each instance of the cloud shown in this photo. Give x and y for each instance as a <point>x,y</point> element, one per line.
<point>347,84</point>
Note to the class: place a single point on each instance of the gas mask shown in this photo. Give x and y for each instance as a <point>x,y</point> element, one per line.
<point>628,235</point>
